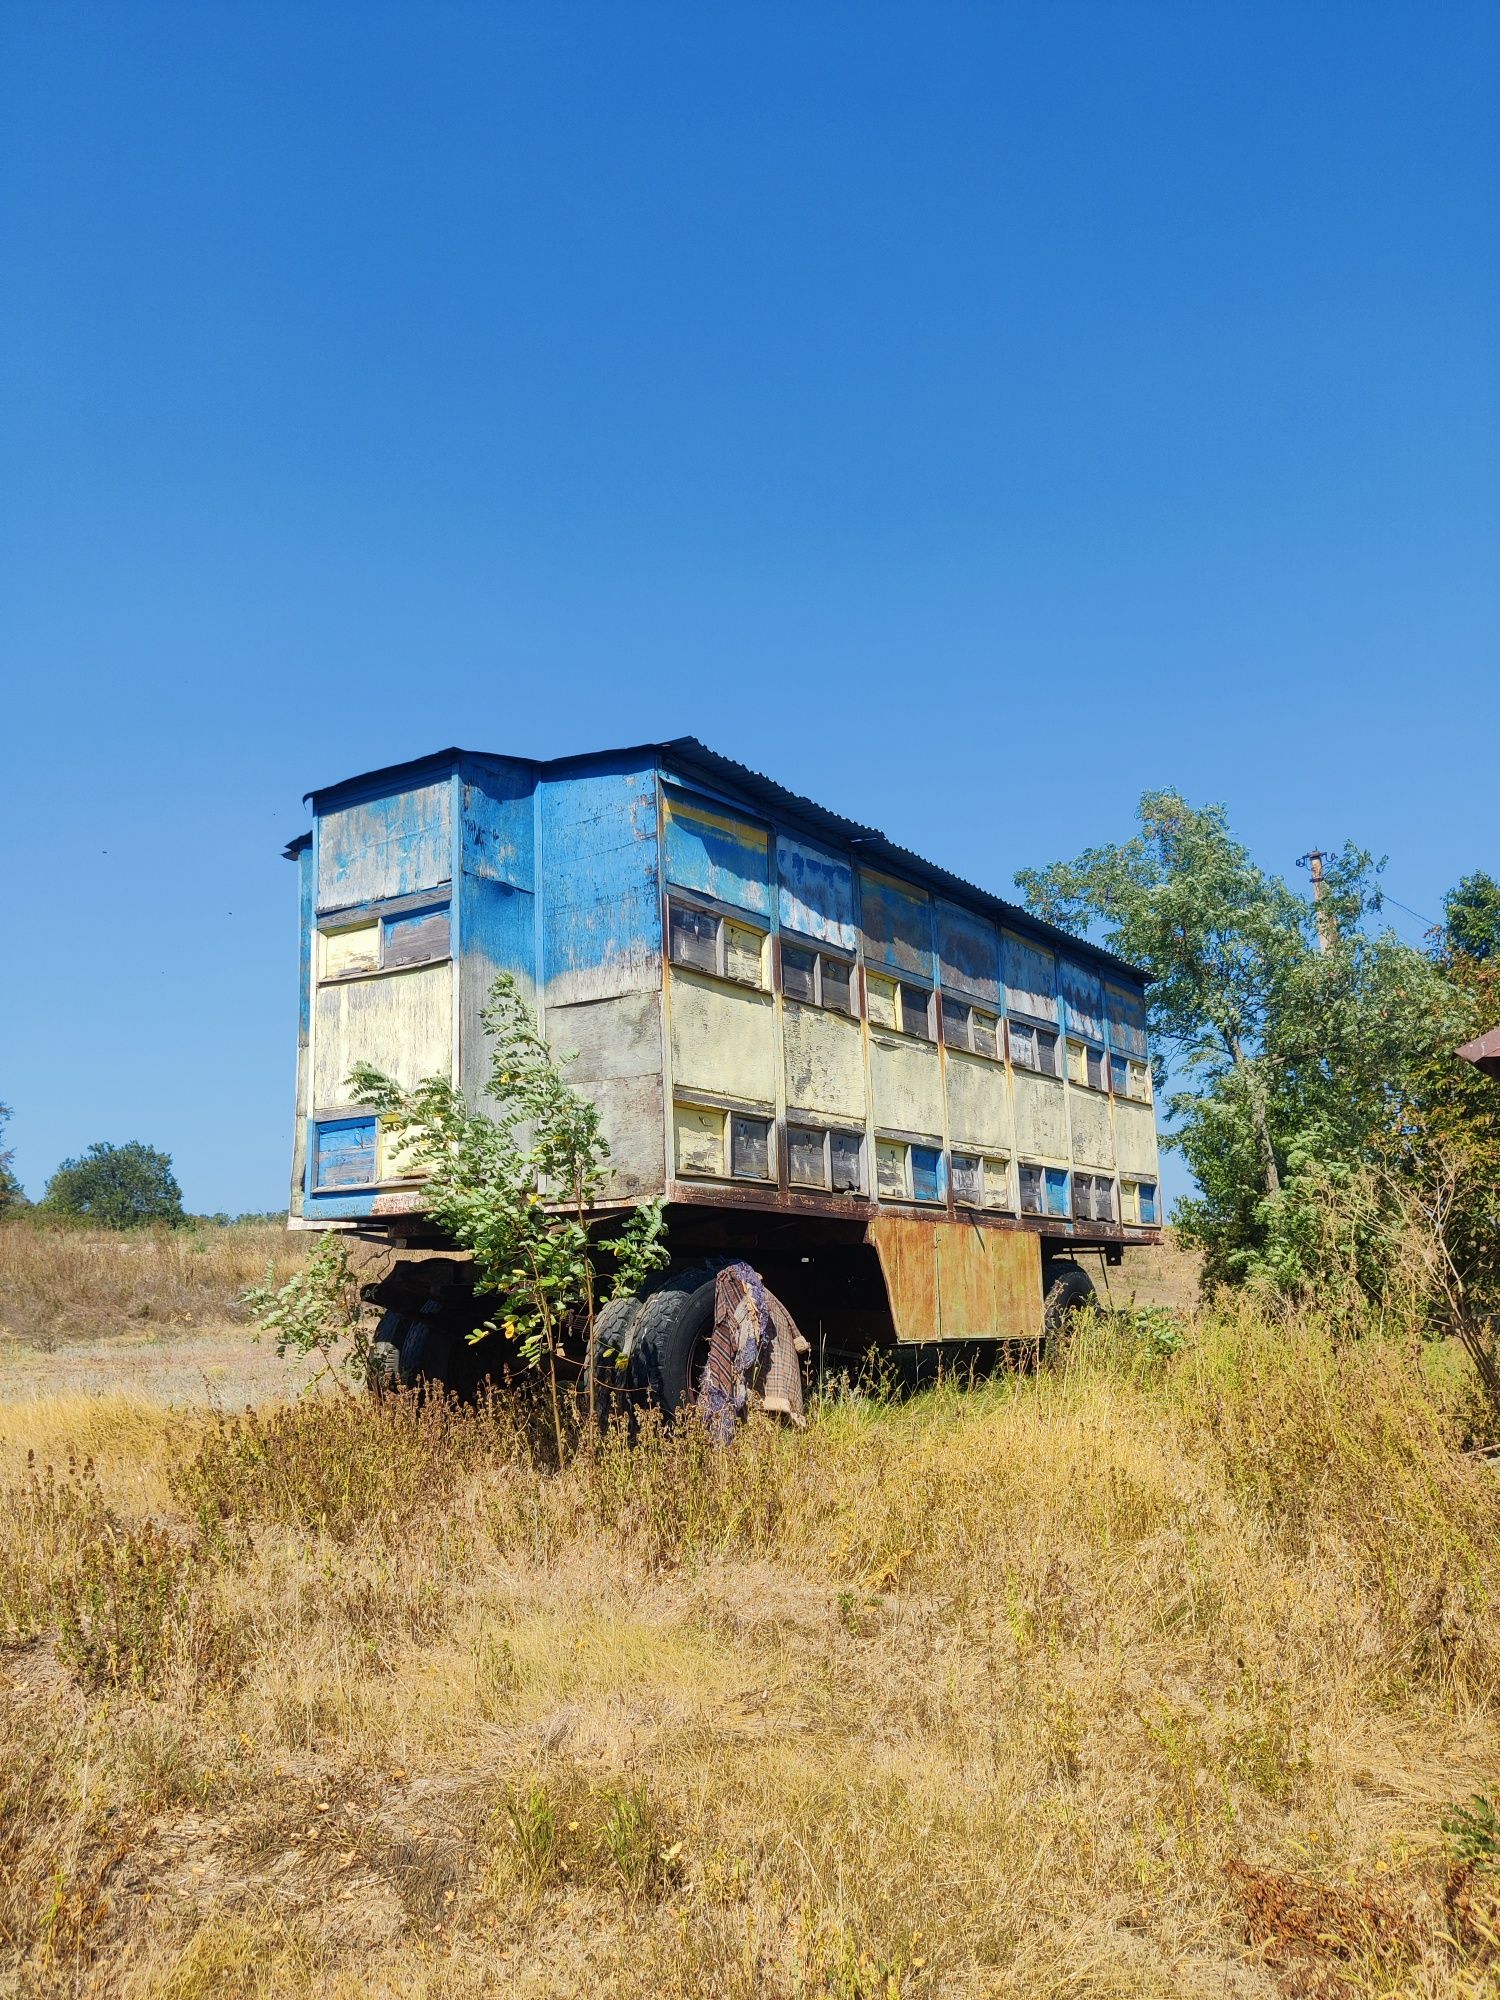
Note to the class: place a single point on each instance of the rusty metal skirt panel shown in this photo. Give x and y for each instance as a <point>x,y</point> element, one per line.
<point>959,1280</point>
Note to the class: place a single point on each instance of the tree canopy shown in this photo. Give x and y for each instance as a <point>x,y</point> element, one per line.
<point>1293,1032</point>
<point>118,1187</point>
<point>12,1195</point>
<point>1471,919</point>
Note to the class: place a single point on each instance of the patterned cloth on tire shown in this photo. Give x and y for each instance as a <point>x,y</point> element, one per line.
<point>753,1355</point>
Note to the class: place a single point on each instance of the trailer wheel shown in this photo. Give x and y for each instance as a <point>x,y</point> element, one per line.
<point>1069,1290</point>
<point>605,1382</point>
<point>427,1352</point>
<point>672,1337</point>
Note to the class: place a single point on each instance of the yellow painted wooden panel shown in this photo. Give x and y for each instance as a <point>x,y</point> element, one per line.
<point>1135,1138</point>
<point>978,1102</point>
<point>723,1039</point>
<point>1093,1141</point>
<point>907,1084</point>
<point>997,1192</point>
<point>825,1063</point>
<point>356,950</point>
<point>402,1024</point>
<point>1041,1117</point>
<point>880,1000</point>
<point>745,954</point>
<point>699,1137</point>
<point>393,1160</point>
<point>890,1170</point>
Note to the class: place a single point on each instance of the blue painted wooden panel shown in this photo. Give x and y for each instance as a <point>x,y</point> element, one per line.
<point>926,1174</point>
<point>388,846</point>
<point>1030,977</point>
<point>1057,1191</point>
<point>601,901</point>
<point>1127,1021</point>
<point>1148,1202</point>
<point>344,1153</point>
<point>897,924</point>
<point>718,855</point>
<point>341,1204</point>
<point>497,933</point>
<point>499,822</point>
<point>968,953</point>
<point>815,892</point>
<point>1084,997</point>
<point>304,1024</point>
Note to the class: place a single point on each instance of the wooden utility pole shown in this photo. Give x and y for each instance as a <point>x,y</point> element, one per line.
<point>1328,929</point>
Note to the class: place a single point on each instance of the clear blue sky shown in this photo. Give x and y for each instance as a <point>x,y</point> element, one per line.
<point>970,415</point>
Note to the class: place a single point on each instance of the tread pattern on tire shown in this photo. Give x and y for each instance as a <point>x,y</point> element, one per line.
<point>663,1305</point>
<point>1069,1288</point>
<point>613,1325</point>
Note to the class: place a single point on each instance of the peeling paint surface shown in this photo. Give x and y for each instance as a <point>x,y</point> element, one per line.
<point>824,1055</point>
<point>719,856</point>
<point>1041,1118</point>
<point>385,847</point>
<point>815,893</point>
<point>1084,998</point>
<point>1030,977</point>
<point>498,837</point>
<point>1093,1138</point>
<point>979,1103</point>
<point>723,1039</point>
<point>906,1083</point>
<point>896,922</point>
<point>968,953</point>
<point>1127,1021</point>
<point>601,905</point>
<point>402,1022</point>
<point>1135,1138</point>
<point>617,1045</point>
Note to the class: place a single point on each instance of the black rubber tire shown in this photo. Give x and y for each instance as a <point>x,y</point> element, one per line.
<point>672,1336</point>
<point>427,1352</point>
<point>384,1369</point>
<point>1068,1290</point>
<point>602,1377</point>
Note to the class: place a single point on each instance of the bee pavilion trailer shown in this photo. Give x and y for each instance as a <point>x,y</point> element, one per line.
<point>904,1100</point>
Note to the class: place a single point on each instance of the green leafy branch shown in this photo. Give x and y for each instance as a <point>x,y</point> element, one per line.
<point>516,1187</point>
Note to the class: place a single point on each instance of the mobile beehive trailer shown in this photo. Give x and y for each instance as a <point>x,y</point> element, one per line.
<point>908,1103</point>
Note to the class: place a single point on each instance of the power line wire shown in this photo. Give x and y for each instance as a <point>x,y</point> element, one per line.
<point>1431,922</point>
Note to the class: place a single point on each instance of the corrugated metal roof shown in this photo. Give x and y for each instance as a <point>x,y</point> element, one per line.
<point>875,847</point>
<point>690,756</point>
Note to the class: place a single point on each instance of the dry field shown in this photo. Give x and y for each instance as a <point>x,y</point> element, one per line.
<point>154,1315</point>
<point>1155,1677</point>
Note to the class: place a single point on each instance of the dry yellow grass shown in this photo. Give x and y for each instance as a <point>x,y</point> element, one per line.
<point>1154,1678</point>
<point>62,1283</point>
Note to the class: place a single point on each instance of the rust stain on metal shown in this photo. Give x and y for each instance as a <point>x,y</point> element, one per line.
<point>958,1280</point>
<point>908,1258</point>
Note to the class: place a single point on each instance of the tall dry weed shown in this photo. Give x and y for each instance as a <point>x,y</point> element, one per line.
<point>60,1281</point>
<point>1158,1675</point>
